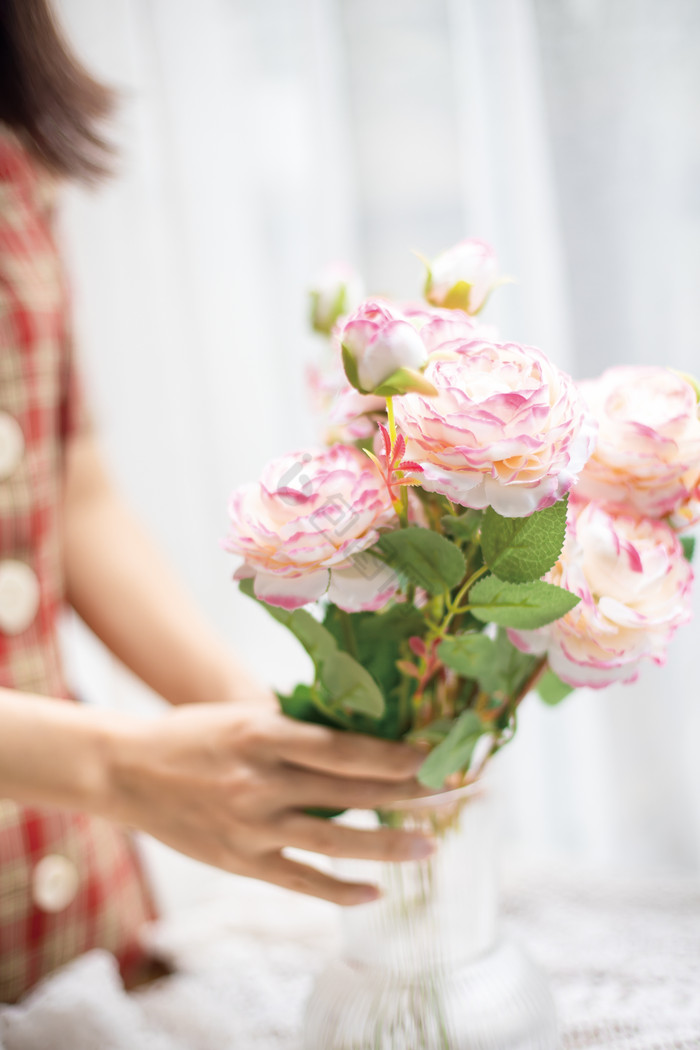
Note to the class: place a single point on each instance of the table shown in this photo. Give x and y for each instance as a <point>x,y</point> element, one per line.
<point>623,956</point>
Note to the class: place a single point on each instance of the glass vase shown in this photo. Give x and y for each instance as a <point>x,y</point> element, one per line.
<point>426,967</point>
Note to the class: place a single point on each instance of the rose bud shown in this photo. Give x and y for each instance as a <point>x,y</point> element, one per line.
<point>382,352</point>
<point>463,277</point>
<point>336,291</point>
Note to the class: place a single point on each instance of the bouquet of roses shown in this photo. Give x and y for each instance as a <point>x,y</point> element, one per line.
<point>477,524</point>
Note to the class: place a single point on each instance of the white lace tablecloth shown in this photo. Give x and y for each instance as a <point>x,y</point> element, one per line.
<point>624,959</point>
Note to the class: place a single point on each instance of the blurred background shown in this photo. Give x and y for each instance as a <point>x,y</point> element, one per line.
<point>262,139</point>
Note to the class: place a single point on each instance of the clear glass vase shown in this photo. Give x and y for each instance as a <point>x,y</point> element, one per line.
<point>426,967</point>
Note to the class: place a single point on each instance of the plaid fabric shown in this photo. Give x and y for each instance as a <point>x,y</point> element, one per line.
<point>39,388</point>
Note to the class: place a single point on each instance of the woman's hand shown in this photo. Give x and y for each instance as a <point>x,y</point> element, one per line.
<point>228,784</point>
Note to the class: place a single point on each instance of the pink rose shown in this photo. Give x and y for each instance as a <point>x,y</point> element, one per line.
<point>463,277</point>
<point>634,584</point>
<point>507,429</point>
<point>647,459</point>
<point>304,528</point>
<point>347,414</point>
<point>438,326</point>
<point>379,344</point>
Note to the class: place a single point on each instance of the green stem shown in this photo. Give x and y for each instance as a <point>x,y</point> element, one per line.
<point>348,633</point>
<point>392,421</point>
<point>454,606</point>
<point>401,505</point>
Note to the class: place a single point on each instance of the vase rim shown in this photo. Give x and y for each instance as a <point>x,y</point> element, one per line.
<point>439,798</point>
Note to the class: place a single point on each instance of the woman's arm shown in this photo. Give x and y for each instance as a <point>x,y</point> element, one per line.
<point>225,783</point>
<point>120,585</point>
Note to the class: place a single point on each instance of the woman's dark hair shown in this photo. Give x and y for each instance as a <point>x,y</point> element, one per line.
<point>47,96</point>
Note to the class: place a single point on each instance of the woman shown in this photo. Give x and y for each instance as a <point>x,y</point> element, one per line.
<point>226,778</point>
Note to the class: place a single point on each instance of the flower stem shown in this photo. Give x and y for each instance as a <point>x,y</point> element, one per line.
<point>348,633</point>
<point>401,504</point>
<point>392,421</point>
<point>454,606</point>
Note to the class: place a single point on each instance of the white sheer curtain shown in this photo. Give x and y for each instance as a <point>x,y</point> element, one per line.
<point>261,140</point>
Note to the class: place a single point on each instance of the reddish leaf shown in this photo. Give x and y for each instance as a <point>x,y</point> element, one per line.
<point>417,645</point>
<point>408,668</point>
<point>387,440</point>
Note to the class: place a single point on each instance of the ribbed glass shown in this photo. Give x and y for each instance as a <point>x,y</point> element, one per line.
<point>426,967</point>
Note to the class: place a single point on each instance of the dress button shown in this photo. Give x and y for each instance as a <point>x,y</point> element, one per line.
<point>11,445</point>
<point>55,883</point>
<point>19,596</point>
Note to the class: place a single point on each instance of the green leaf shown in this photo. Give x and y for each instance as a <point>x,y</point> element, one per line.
<point>318,642</point>
<point>470,655</point>
<point>521,550</point>
<point>350,686</point>
<point>455,751</point>
<point>377,638</point>
<point>498,667</point>
<point>521,605</point>
<point>346,683</point>
<point>551,688</point>
<point>350,366</point>
<point>379,641</point>
<point>428,559</point>
<point>404,381</point>
<point>300,705</point>
<point>512,667</point>
<point>463,526</point>
<point>688,545</point>
<point>394,624</point>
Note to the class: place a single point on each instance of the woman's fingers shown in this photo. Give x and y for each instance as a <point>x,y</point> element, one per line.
<point>336,840</point>
<point>346,754</point>
<point>304,789</point>
<point>305,879</point>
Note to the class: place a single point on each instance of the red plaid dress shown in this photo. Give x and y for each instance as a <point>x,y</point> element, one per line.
<point>68,882</point>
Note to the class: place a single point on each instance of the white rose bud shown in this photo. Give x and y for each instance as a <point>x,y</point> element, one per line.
<point>463,277</point>
<point>383,353</point>
<point>336,291</point>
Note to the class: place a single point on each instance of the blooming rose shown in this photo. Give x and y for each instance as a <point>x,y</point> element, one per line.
<point>379,344</point>
<point>506,429</point>
<point>303,528</point>
<point>336,291</point>
<point>437,326</point>
<point>634,585</point>
<point>463,277</point>
<point>688,513</point>
<point>647,459</point>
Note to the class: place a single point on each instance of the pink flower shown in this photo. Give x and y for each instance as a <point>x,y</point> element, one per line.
<point>381,346</point>
<point>647,459</point>
<point>634,585</point>
<point>304,529</point>
<point>438,326</point>
<point>463,277</point>
<point>507,429</point>
<point>347,414</point>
